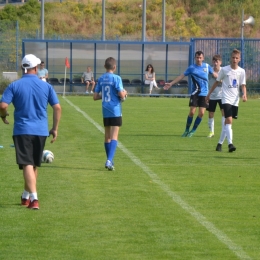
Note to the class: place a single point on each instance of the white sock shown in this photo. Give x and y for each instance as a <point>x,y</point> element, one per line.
<point>211,124</point>
<point>223,131</point>
<point>229,133</point>
<point>25,194</point>
<point>33,196</point>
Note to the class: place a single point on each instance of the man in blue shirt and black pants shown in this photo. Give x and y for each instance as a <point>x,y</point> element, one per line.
<point>199,89</point>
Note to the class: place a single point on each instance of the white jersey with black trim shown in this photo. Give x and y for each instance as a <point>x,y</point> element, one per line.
<point>217,93</point>
<point>231,79</point>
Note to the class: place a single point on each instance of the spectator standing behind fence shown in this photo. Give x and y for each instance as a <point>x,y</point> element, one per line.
<point>88,78</point>
<point>215,97</point>
<point>150,77</point>
<point>111,88</point>
<point>30,97</point>
<point>232,77</point>
<point>42,72</point>
<point>199,89</point>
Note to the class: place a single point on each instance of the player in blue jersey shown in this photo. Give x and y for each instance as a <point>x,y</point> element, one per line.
<point>199,89</point>
<point>30,97</point>
<point>110,89</point>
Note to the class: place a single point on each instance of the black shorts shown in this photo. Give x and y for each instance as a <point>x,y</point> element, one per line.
<point>230,111</point>
<point>213,104</point>
<point>29,149</point>
<point>112,121</point>
<point>197,101</point>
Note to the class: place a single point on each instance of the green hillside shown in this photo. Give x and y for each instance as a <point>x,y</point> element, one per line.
<point>184,18</point>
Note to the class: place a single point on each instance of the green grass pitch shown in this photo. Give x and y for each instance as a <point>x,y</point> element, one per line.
<point>169,197</point>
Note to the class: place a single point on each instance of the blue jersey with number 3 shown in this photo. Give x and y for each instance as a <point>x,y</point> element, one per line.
<point>109,85</point>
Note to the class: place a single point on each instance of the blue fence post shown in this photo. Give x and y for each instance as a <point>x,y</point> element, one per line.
<point>118,55</point>
<point>242,52</point>
<point>191,57</point>
<point>166,64</point>
<point>70,67</point>
<point>142,69</point>
<point>17,43</point>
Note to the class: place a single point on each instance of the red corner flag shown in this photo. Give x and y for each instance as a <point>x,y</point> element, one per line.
<point>67,64</point>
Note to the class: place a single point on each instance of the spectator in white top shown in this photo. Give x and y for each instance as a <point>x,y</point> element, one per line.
<point>88,78</point>
<point>42,72</point>
<point>150,77</point>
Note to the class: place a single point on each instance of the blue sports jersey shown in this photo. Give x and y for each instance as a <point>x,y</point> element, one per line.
<point>30,97</point>
<point>109,85</point>
<point>199,78</point>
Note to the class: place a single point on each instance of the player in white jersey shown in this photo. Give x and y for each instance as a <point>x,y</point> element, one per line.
<point>232,77</point>
<point>215,97</point>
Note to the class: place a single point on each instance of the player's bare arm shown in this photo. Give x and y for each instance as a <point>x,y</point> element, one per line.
<point>244,96</point>
<point>215,74</point>
<point>3,112</point>
<point>122,94</point>
<point>212,89</point>
<point>56,120</point>
<point>168,85</point>
<point>97,96</point>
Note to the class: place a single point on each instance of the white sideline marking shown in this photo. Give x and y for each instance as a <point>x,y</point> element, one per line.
<point>222,237</point>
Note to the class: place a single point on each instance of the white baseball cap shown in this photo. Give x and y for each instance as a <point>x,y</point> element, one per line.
<point>30,61</point>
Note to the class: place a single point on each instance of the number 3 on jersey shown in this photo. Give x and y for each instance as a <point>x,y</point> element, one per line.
<point>107,94</point>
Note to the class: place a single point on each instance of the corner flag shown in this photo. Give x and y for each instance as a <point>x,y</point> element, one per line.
<point>67,64</point>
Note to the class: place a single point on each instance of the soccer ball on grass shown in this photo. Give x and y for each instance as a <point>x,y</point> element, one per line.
<point>47,156</point>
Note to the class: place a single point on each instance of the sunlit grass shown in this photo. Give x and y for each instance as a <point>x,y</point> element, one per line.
<point>87,212</point>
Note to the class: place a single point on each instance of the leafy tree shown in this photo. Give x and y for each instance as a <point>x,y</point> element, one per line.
<point>9,13</point>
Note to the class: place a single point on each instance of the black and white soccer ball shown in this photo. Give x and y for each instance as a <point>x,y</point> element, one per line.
<point>47,156</point>
<point>123,99</point>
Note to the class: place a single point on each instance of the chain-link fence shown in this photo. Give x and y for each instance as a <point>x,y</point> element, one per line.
<point>11,49</point>
<point>9,45</point>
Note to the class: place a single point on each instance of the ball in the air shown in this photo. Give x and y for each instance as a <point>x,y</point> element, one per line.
<point>47,156</point>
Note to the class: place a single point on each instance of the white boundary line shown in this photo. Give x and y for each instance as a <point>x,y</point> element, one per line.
<point>222,237</point>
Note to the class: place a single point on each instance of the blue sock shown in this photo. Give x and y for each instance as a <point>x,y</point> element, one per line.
<point>107,148</point>
<point>189,121</point>
<point>112,150</point>
<point>196,123</point>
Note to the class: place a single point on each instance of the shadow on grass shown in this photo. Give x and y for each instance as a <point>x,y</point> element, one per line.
<point>99,169</point>
<point>168,135</point>
<point>8,205</point>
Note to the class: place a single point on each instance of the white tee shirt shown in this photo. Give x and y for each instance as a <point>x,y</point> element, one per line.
<point>217,93</point>
<point>231,82</point>
<point>150,75</point>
